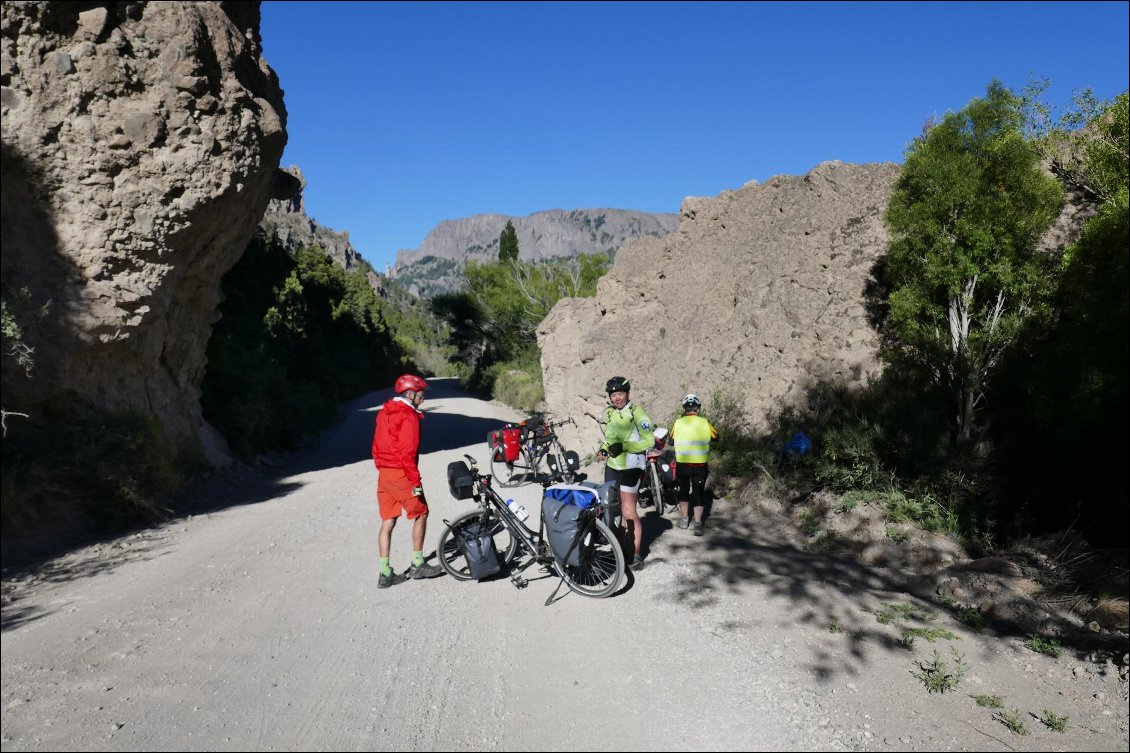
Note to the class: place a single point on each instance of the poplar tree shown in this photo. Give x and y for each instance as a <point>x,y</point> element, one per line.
<point>965,218</point>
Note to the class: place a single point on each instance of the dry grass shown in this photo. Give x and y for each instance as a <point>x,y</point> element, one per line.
<point>1112,612</point>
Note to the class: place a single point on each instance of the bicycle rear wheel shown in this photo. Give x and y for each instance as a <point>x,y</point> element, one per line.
<point>602,563</point>
<point>451,557</point>
<point>522,471</point>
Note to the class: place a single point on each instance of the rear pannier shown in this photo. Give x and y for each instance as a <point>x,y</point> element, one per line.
<point>505,443</point>
<point>564,508</point>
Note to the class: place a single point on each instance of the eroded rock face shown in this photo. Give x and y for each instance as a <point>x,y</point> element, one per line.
<point>287,218</point>
<point>763,289</point>
<point>141,143</point>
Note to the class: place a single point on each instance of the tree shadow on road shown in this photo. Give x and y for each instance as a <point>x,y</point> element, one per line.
<point>351,440</point>
<point>56,557</point>
<point>835,594</point>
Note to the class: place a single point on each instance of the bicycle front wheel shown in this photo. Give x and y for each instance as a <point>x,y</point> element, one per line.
<point>568,475</point>
<point>657,490</point>
<point>602,563</point>
<point>451,557</point>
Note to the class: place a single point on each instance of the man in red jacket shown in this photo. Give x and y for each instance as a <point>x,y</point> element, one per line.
<point>396,453</point>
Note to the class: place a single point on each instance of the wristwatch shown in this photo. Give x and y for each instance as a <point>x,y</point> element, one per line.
<point>417,491</point>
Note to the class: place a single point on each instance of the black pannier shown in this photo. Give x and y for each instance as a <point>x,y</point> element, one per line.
<point>477,544</point>
<point>460,481</point>
<point>667,468</point>
<point>572,461</point>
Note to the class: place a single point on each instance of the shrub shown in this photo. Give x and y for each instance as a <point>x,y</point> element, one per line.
<point>1041,645</point>
<point>1053,721</point>
<point>116,467</point>
<point>517,384</point>
<point>937,676</point>
<point>1013,720</point>
<point>989,701</point>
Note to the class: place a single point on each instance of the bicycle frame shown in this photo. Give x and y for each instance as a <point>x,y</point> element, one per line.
<point>523,540</point>
<point>533,450</point>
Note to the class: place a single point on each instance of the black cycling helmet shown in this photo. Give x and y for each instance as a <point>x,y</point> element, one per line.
<point>618,384</point>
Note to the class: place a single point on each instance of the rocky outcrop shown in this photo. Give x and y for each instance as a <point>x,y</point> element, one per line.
<point>435,266</point>
<point>763,291</point>
<point>140,148</point>
<point>288,220</point>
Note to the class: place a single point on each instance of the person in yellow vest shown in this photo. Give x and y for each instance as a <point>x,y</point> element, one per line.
<point>692,435</point>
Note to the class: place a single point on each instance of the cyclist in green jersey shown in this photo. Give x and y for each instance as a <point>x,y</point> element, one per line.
<point>628,435</point>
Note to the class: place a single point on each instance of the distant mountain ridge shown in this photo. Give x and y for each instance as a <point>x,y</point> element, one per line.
<point>436,266</point>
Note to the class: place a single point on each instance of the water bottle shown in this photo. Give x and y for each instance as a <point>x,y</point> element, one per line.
<point>518,510</point>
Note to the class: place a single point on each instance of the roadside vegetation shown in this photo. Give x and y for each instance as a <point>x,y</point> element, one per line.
<point>1005,365</point>
<point>493,321</point>
<point>297,336</point>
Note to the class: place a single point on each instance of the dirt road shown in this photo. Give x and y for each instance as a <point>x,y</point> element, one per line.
<point>258,626</point>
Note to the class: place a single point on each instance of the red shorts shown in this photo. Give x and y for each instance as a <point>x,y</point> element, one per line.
<point>394,494</point>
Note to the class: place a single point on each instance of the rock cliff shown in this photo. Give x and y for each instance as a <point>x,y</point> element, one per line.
<point>761,290</point>
<point>287,218</point>
<point>141,143</point>
<point>435,266</point>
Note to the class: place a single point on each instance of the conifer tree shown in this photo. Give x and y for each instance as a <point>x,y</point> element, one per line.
<point>508,243</point>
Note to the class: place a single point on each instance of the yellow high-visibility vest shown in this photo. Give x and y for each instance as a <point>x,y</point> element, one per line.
<point>692,436</point>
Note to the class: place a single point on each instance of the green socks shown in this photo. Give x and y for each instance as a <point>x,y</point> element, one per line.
<point>386,568</point>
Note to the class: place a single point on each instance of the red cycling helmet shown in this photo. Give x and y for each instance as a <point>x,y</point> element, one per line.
<point>409,382</point>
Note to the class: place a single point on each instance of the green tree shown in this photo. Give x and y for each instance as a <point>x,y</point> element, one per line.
<point>494,319</point>
<point>965,219</point>
<point>298,334</point>
<point>508,243</point>
<point>1071,380</point>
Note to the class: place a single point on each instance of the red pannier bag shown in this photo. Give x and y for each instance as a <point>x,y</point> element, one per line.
<point>505,443</point>
<point>494,444</point>
<point>511,442</point>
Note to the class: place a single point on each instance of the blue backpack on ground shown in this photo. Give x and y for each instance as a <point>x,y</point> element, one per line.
<point>798,444</point>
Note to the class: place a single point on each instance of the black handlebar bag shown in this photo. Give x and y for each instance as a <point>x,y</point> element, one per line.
<point>460,482</point>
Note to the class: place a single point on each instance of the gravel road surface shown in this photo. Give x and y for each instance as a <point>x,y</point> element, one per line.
<point>257,625</point>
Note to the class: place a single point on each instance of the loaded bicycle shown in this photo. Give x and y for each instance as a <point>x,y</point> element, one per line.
<point>573,540</point>
<point>657,488</point>
<point>518,450</point>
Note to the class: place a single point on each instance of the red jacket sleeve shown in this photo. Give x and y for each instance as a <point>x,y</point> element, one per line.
<point>410,448</point>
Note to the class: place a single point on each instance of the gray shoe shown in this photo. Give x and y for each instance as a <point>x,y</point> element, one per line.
<point>698,528</point>
<point>637,563</point>
<point>424,571</point>
<point>384,581</point>
<point>683,522</point>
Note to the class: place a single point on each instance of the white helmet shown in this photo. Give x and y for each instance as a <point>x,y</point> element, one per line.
<point>691,402</point>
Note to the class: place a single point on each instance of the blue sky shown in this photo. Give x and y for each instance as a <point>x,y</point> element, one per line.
<point>402,115</point>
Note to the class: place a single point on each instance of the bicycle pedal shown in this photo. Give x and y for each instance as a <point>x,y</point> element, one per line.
<point>519,582</point>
